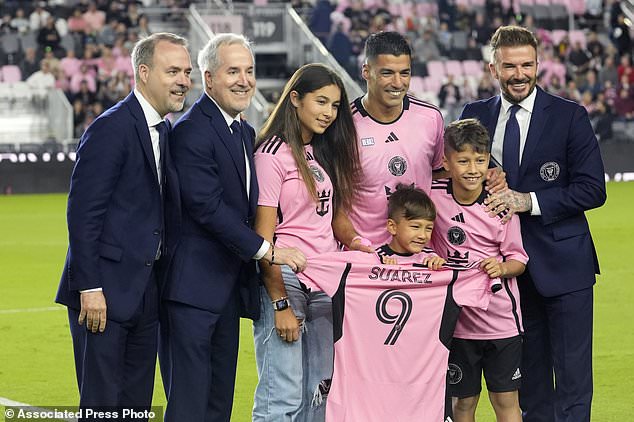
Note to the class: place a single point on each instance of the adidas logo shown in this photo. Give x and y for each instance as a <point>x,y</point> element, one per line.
<point>459,218</point>
<point>391,137</point>
<point>516,375</point>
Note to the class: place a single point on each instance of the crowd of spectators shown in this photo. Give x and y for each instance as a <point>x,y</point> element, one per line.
<point>82,47</point>
<point>595,71</point>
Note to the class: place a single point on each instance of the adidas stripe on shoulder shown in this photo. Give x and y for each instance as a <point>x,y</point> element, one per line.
<point>271,146</point>
<point>440,184</point>
<point>421,103</point>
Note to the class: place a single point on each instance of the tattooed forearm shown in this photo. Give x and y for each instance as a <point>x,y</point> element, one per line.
<point>518,202</point>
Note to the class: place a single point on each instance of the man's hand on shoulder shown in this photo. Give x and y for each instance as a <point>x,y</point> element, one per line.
<point>496,180</point>
<point>510,201</point>
<point>93,311</point>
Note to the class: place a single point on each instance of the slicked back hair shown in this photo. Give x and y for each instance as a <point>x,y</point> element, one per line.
<point>390,42</point>
<point>511,36</point>
<point>208,57</point>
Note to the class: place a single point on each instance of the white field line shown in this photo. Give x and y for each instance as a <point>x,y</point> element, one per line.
<point>8,402</point>
<point>21,310</point>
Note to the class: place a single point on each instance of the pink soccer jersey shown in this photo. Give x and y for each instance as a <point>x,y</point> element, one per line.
<point>467,234</point>
<point>393,325</point>
<point>299,216</point>
<point>404,151</point>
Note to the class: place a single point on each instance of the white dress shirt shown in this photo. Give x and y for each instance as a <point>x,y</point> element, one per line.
<point>152,118</point>
<point>523,117</point>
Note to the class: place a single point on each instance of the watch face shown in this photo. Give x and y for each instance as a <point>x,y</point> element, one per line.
<point>281,304</point>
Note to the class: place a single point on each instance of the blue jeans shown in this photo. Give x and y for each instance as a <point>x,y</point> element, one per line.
<point>290,373</point>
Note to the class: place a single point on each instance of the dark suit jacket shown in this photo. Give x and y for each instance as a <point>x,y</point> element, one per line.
<point>562,164</point>
<point>217,243</point>
<point>114,212</point>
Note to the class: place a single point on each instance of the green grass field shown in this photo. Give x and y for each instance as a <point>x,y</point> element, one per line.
<point>36,362</point>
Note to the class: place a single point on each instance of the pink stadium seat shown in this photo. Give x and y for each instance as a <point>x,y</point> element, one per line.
<point>511,4</point>
<point>11,73</point>
<point>454,67</point>
<point>472,68</point>
<point>417,86</point>
<point>433,84</point>
<point>407,9</point>
<point>559,69</point>
<point>558,35</point>
<point>427,9</point>
<point>342,5</point>
<point>369,4</point>
<point>543,2</point>
<point>577,35</point>
<point>578,7</point>
<point>436,69</point>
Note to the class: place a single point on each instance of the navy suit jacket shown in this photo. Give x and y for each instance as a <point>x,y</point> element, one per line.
<point>115,213</point>
<point>217,243</point>
<point>562,164</point>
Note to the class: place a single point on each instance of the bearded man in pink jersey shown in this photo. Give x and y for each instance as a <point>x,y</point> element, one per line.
<point>400,141</point>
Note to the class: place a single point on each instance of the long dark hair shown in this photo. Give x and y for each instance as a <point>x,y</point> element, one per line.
<point>335,150</point>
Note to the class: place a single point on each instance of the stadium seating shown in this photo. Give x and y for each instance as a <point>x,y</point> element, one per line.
<point>11,73</point>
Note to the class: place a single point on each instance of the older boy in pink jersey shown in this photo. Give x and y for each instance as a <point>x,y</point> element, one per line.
<point>489,340</point>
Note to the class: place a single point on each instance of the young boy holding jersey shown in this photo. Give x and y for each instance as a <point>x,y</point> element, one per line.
<point>485,341</point>
<point>394,314</point>
<point>411,216</point>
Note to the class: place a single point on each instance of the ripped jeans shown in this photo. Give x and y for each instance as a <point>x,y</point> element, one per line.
<point>290,374</point>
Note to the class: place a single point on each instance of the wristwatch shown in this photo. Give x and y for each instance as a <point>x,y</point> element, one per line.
<point>280,304</point>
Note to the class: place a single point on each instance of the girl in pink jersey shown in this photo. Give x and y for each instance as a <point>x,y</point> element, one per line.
<point>307,165</point>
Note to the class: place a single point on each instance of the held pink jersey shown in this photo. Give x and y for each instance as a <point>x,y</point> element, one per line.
<point>467,234</point>
<point>393,326</point>
<point>299,216</point>
<point>404,151</point>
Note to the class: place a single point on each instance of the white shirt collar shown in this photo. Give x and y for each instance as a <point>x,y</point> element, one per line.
<point>151,116</point>
<point>526,104</point>
<point>226,115</point>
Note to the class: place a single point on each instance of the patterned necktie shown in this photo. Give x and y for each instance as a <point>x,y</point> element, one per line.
<point>511,149</point>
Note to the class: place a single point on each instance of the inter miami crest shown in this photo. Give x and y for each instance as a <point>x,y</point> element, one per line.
<point>317,174</point>
<point>456,235</point>
<point>549,171</point>
<point>455,374</point>
<point>397,166</point>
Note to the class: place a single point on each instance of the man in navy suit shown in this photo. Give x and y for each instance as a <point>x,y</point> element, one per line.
<point>123,194</point>
<point>213,279</point>
<point>555,173</point>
